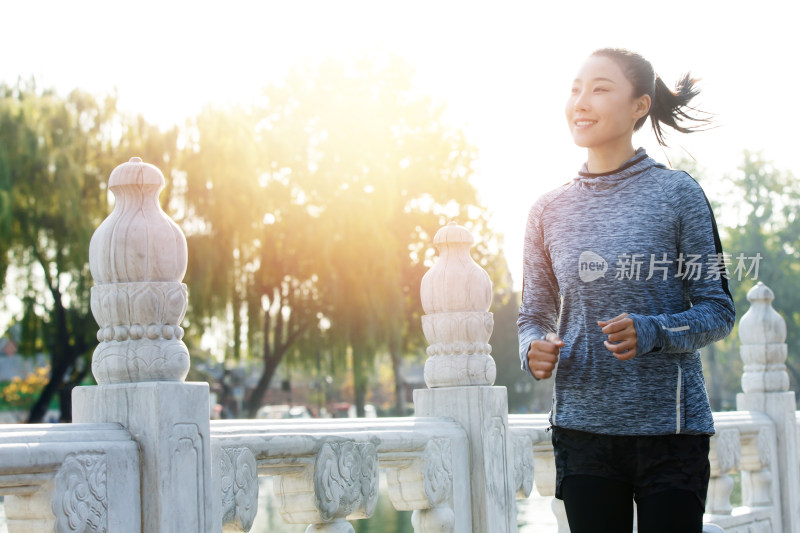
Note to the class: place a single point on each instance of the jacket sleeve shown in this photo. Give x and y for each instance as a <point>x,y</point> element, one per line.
<point>541,299</point>
<point>712,313</point>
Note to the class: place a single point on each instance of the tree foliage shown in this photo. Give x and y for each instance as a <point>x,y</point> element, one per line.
<point>768,205</point>
<point>321,204</point>
<point>53,167</point>
<point>56,154</point>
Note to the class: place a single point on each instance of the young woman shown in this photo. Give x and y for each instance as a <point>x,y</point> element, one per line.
<point>624,281</point>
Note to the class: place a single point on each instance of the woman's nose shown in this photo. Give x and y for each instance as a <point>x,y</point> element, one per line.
<point>581,101</point>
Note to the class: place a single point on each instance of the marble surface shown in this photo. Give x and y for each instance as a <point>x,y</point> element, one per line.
<point>483,413</point>
<point>169,422</point>
<point>424,461</point>
<point>456,294</point>
<point>534,515</point>
<point>138,258</point>
<point>69,477</point>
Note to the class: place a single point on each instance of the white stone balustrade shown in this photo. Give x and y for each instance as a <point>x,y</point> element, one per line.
<point>143,456</point>
<point>762,333</point>
<point>326,471</point>
<point>724,456</point>
<point>69,478</point>
<point>744,442</point>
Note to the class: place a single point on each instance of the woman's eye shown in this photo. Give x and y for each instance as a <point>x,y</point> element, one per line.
<point>574,90</point>
<point>600,90</point>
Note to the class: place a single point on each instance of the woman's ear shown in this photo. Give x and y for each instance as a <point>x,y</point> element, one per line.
<point>642,106</point>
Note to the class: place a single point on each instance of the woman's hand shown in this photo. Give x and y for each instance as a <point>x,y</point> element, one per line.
<point>622,339</point>
<point>543,356</point>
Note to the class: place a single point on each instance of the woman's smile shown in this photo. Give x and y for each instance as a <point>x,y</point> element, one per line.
<point>583,124</point>
<point>601,112</point>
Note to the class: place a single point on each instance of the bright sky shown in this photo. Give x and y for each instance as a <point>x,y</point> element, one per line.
<point>503,68</point>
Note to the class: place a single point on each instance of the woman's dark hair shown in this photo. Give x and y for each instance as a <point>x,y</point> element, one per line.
<point>666,106</point>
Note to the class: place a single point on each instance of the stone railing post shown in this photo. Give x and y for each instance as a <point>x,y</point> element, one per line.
<point>456,295</point>
<point>724,457</point>
<point>138,258</point>
<point>765,386</point>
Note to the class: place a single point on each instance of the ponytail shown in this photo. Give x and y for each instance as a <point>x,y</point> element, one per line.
<point>667,107</point>
<point>670,107</point>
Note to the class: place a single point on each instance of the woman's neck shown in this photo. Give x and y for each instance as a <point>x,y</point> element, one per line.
<point>607,159</point>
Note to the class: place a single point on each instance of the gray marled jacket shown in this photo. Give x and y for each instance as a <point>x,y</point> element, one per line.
<point>641,240</point>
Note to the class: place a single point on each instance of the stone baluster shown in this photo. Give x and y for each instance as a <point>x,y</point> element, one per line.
<point>724,456</point>
<point>236,483</point>
<point>340,484</point>
<point>424,484</point>
<point>765,385</point>
<point>755,467</point>
<point>544,466</point>
<point>523,465</point>
<point>31,513</point>
<point>138,258</point>
<point>456,295</point>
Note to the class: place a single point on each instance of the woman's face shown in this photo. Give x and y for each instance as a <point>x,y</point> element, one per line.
<point>601,110</point>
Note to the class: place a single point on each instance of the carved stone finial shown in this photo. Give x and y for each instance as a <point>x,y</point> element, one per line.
<point>455,283</point>
<point>138,258</point>
<point>761,324</point>
<point>762,332</point>
<point>456,294</point>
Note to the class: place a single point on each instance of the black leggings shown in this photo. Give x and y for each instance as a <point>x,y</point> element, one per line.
<point>595,504</point>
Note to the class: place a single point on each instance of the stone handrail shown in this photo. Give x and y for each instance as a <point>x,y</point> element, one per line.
<point>765,386</point>
<point>144,457</point>
<point>326,471</point>
<point>70,477</point>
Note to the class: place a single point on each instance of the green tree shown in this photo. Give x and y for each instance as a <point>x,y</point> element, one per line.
<point>251,239</point>
<point>53,167</point>
<point>385,171</point>
<point>768,205</point>
<point>56,154</point>
<point>320,206</point>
